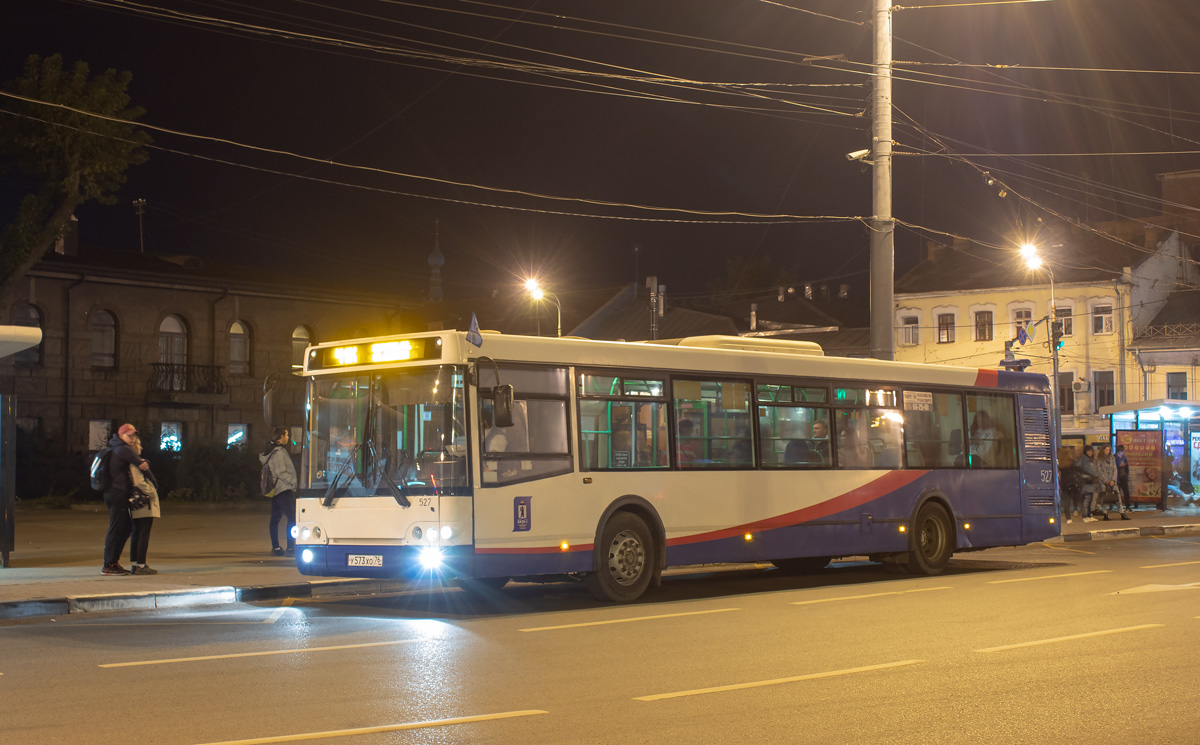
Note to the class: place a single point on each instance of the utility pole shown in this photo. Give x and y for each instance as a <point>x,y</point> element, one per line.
<point>140,206</point>
<point>883,248</point>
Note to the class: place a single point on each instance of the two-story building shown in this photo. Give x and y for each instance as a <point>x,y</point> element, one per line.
<point>1123,294</point>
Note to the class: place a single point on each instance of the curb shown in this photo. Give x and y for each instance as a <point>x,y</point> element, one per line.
<point>1112,533</point>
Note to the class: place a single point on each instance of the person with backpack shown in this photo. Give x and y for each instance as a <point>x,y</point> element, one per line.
<point>117,490</point>
<point>278,484</point>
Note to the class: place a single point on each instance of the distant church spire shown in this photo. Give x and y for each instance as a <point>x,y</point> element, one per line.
<point>436,260</point>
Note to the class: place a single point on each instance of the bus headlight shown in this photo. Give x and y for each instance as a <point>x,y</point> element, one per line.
<point>431,557</point>
<point>447,532</point>
<point>295,530</point>
<point>306,556</point>
<point>417,532</point>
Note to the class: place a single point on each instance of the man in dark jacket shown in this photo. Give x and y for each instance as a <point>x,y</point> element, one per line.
<point>116,498</point>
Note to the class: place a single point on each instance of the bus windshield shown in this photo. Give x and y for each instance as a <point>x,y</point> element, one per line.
<point>398,432</point>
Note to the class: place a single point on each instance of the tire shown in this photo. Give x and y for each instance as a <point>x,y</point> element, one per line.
<point>802,565</point>
<point>932,540</point>
<point>625,562</point>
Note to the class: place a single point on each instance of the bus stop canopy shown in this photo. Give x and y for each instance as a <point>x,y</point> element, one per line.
<point>13,339</point>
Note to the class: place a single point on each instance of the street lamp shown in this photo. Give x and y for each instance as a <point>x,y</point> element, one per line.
<point>537,293</point>
<point>1034,262</point>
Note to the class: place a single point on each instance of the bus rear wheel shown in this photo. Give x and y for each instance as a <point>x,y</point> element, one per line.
<point>802,565</point>
<point>932,540</point>
<point>626,560</point>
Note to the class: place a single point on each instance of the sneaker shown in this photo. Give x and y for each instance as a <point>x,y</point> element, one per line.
<point>277,551</point>
<point>143,569</point>
<point>1090,520</point>
<point>113,569</point>
<point>1070,520</point>
<point>1125,517</point>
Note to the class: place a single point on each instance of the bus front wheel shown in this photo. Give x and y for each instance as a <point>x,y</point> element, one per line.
<point>932,540</point>
<point>626,560</point>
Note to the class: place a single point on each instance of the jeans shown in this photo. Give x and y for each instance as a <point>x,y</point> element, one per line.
<point>139,540</point>
<point>283,504</point>
<point>119,526</point>
<point>1090,501</point>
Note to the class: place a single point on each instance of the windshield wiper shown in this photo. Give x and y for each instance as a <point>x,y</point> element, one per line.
<point>399,493</point>
<point>331,492</point>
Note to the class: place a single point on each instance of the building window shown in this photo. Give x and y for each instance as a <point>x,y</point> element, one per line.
<point>1177,386</point>
<point>99,433</point>
<point>910,332</point>
<point>1064,321</point>
<point>301,338</point>
<point>1066,393</point>
<point>30,425</point>
<point>1102,383</point>
<point>171,436</point>
<point>945,328</point>
<point>983,325</point>
<point>172,352</point>
<point>239,349</point>
<point>29,315</point>
<point>1021,319</point>
<point>1102,319</point>
<point>238,435</point>
<point>103,328</point>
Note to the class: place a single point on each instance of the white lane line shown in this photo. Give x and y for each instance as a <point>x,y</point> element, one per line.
<point>1156,588</point>
<point>1064,548</point>
<point>628,620</point>
<point>1163,566</point>
<point>777,681</point>
<point>259,654</point>
<point>275,614</point>
<point>1073,637</point>
<point>871,595</point>
<point>1047,576</point>
<point>381,728</point>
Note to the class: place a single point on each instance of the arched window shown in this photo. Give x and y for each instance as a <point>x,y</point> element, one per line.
<point>28,314</point>
<point>172,352</point>
<point>103,328</point>
<point>301,338</point>
<point>239,348</point>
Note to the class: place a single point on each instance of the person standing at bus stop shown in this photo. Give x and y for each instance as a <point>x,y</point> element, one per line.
<point>276,459</point>
<point>116,497</point>
<point>1091,481</point>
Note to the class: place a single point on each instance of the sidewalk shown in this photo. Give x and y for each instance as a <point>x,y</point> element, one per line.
<point>208,555</point>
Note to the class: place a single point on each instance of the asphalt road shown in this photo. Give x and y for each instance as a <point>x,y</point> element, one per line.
<point>1098,643</point>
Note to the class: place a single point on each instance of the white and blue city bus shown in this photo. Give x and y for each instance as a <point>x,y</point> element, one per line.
<point>547,458</point>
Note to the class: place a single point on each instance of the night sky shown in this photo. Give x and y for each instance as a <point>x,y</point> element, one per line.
<point>492,95</point>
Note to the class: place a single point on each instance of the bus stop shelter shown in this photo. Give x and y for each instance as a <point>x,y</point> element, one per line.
<point>1162,443</point>
<point>13,339</point>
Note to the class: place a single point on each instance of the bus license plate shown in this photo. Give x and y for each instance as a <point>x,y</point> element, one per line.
<point>364,560</point>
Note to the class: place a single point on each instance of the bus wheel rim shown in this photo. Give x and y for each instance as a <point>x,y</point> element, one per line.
<point>626,557</point>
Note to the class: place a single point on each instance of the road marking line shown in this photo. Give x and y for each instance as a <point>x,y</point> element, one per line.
<point>1073,637</point>
<point>629,620</point>
<point>259,654</point>
<point>1162,566</point>
<point>1156,588</point>
<point>871,595</point>
<point>1048,576</point>
<point>1064,548</point>
<point>381,728</point>
<point>1176,540</point>
<point>275,614</point>
<point>777,681</point>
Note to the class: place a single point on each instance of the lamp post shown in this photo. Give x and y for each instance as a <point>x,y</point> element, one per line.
<point>537,293</point>
<point>1033,261</point>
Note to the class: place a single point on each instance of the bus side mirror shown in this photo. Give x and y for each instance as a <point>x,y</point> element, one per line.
<point>502,406</point>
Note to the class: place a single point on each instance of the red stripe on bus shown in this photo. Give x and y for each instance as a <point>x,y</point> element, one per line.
<point>535,550</point>
<point>987,379</point>
<point>881,486</point>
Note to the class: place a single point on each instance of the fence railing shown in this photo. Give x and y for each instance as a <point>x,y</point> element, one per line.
<point>1178,329</point>
<point>187,378</point>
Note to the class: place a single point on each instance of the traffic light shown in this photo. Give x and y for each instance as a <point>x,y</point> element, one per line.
<point>1057,340</point>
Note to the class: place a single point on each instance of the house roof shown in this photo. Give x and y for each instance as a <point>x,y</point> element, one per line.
<point>1082,257</point>
<point>773,313</point>
<point>1176,325</point>
<point>855,342</point>
<point>626,316</point>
